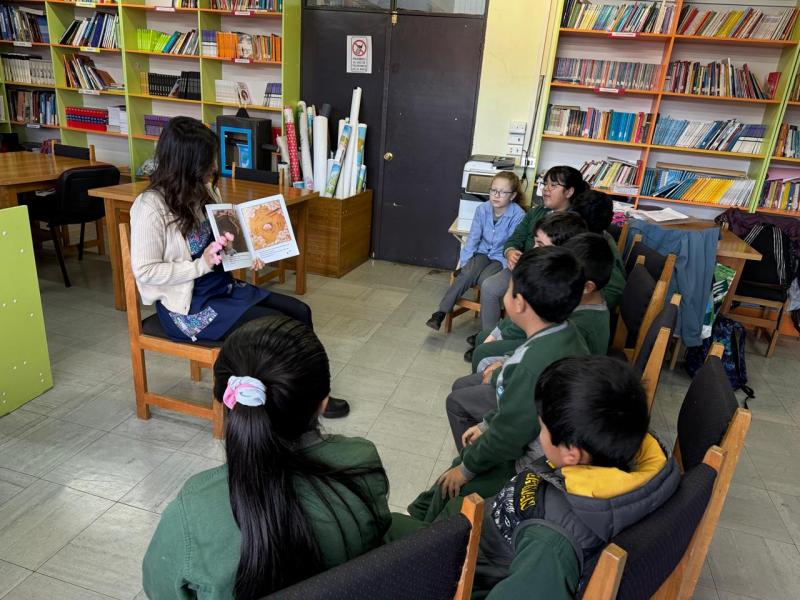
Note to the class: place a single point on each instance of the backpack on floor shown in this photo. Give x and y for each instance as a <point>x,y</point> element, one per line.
<point>731,334</point>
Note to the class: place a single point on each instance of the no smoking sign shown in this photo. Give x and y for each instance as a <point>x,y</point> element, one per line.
<point>359,54</point>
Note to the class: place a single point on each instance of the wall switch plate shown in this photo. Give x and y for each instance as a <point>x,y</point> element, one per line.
<point>517,139</point>
<point>517,127</point>
<point>514,150</point>
<point>530,161</point>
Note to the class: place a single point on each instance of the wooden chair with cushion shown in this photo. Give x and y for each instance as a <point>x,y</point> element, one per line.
<point>148,335</point>
<point>650,358</point>
<point>642,299</point>
<point>620,234</point>
<point>271,178</point>
<point>659,266</point>
<point>463,305</point>
<point>434,563</point>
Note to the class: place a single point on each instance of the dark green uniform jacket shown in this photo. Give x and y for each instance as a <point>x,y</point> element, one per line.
<point>593,321</point>
<point>194,552</point>
<point>522,238</point>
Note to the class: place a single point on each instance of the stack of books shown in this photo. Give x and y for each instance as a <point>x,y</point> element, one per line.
<point>723,136</point>
<point>629,17</point>
<point>33,107</point>
<point>27,68</point>
<point>794,96</point>
<point>183,43</point>
<point>744,24</point>
<point>154,124</point>
<point>92,119</point>
<point>607,73</point>
<point>273,96</point>
<point>2,109</point>
<point>232,92</point>
<point>186,85</point>
<point>613,174</point>
<point>267,5</point>
<point>118,119</point>
<point>244,46</point>
<point>718,79</point>
<point>788,142</point>
<point>780,193</point>
<point>23,24</point>
<point>81,73</point>
<point>706,185</point>
<point>99,31</point>
<point>597,124</point>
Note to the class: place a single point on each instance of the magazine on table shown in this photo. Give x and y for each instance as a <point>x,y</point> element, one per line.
<point>260,228</point>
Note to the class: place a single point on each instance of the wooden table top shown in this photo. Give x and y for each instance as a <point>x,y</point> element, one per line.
<point>232,191</point>
<point>29,167</point>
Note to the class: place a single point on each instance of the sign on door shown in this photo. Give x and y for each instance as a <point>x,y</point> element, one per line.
<point>359,54</point>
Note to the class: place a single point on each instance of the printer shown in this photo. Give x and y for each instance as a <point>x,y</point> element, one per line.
<point>479,171</point>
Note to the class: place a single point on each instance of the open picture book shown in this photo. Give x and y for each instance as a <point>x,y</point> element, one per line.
<point>260,228</point>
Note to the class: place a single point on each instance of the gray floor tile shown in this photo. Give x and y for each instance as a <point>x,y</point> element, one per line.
<point>384,355</point>
<point>408,474</point>
<point>109,467</point>
<point>62,399</point>
<point>705,593</point>
<point>11,576</point>
<point>41,519</point>
<point>409,431</point>
<point>155,491</point>
<point>163,430</point>
<point>41,587</point>
<point>107,556</point>
<point>751,510</point>
<point>105,409</point>
<point>204,444</point>
<point>18,423</point>
<point>43,447</point>
<point>362,383</point>
<point>421,395</point>
<point>775,438</point>
<point>12,483</point>
<point>789,510</point>
<point>358,423</point>
<point>779,472</point>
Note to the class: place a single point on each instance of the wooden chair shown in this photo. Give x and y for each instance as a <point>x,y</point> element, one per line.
<point>659,266</point>
<point>428,564</point>
<point>769,301</point>
<point>148,335</point>
<point>642,299</point>
<point>710,414</point>
<point>271,178</point>
<point>623,237</point>
<point>650,358</point>
<point>463,305</point>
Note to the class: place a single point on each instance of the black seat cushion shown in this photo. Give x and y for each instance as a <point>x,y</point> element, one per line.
<point>761,291</point>
<point>653,261</point>
<point>656,544</point>
<point>634,302</point>
<point>426,565</point>
<point>668,317</point>
<point>152,326</point>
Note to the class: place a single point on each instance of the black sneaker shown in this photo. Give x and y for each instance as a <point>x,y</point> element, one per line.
<point>468,355</point>
<point>471,339</point>
<point>336,409</point>
<point>436,320</point>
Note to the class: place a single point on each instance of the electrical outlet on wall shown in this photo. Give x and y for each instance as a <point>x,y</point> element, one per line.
<point>517,139</point>
<point>517,127</point>
<point>514,150</point>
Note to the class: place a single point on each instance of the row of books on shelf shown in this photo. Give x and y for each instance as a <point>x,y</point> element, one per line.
<point>27,68</point>
<point>597,124</point>
<point>268,5</point>
<point>613,174</point>
<point>101,30</point>
<point>33,107</point>
<point>23,24</point>
<point>788,144</point>
<point>154,124</point>
<point>718,78</point>
<point>707,186</point>
<point>226,44</point>
<point>81,73</point>
<point>184,43</point>
<point>92,119</point>
<point>724,135</point>
<point>117,119</point>
<point>606,73</point>
<point>743,24</point>
<point>273,95</point>
<point>780,194</point>
<point>629,17</point>
<point>186,85</point>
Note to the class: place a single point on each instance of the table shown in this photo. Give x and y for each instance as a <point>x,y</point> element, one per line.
<point>119,198</point>
<point>28,172</point>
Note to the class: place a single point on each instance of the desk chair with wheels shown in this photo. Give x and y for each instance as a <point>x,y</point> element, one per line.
<point>72,205</point>
<point>271,178</point>
<point>147,334</point>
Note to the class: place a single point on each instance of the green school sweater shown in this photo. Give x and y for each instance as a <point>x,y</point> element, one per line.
<point>593,321</point>
<point>612,292</point>
<point>513,425</point>
<point>522,238</point>
<point>194,552</point>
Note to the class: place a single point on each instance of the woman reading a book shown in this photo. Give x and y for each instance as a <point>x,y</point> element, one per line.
<point>176,261</point>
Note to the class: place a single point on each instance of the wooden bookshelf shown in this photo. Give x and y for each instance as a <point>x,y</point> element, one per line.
<point>127,62</point>
<point>774,55</point>
<point>33,125</point>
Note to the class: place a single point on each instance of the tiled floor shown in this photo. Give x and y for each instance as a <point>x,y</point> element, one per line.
<point>82,481</point>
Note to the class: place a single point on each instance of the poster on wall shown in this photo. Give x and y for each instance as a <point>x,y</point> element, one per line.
<point>359,54</point>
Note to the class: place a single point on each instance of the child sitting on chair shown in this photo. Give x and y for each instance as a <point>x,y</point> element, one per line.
<point>482,255</point>
<point>598,472</point>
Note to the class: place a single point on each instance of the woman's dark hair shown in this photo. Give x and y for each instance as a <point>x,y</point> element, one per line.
<point>561,226</point>
<point>597,404</point>
<point>593,251</point>
<point>185,156</point>
<point>596,208</point>
<point>569,177</point>
<point>551,280</point>
<point>279,547</point>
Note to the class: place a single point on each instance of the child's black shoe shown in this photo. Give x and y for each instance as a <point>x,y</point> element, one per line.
<point>471,339</point>
<point>468,355</point>
<point>435,322</point>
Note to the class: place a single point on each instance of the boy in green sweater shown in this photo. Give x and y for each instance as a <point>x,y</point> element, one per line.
<point>492,417</point>
<point>598,472</point>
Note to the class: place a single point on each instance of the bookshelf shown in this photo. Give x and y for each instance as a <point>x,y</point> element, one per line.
<point>126,62</point>
<point>663,48</point>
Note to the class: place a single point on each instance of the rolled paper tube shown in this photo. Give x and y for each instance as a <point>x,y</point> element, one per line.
<point>358,160</point>
<point>305,148</point>
<point>325,111</point>
<point>320,147</point>
<point>362,179</point>
<point>291,141</point>
<point>283,173</point>
<point>284,148</point>
<point>348,166</point>
<point>336,169</point>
